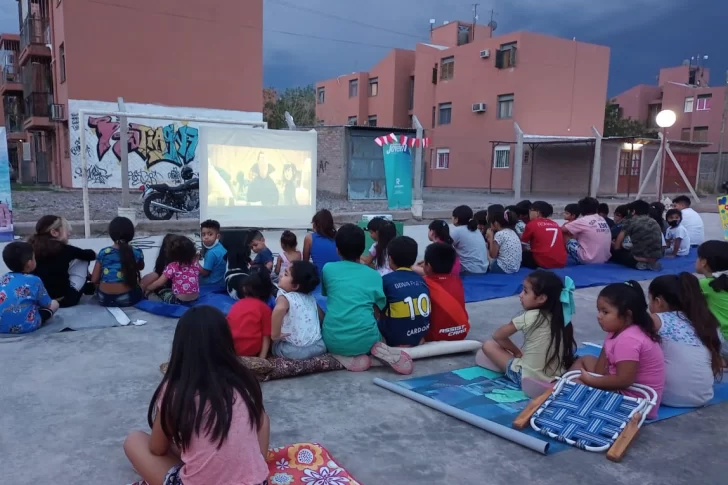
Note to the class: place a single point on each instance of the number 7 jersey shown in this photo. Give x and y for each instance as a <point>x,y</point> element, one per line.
<point>406,318</point>
<point>547,243</point>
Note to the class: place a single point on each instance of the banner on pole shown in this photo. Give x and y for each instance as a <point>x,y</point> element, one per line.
<point>6,206</point>
<point>398,174</point>
<point>723,211</point>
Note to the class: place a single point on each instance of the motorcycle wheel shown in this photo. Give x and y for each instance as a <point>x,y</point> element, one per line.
<point>155,213</point>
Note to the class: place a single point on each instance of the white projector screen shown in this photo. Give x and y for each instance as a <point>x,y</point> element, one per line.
<point>252,177</point>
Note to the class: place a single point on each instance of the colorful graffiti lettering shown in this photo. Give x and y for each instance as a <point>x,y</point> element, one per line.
<point>175,145</point>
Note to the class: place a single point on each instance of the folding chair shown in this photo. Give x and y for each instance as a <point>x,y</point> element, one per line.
<point>589,418</point>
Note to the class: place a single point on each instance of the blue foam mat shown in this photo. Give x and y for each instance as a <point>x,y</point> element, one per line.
<point>492,396</point>
<point>491,286</point>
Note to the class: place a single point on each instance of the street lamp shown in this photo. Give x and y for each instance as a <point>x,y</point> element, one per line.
<point>665,119</point>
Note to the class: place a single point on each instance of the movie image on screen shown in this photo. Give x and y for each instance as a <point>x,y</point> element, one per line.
<point>261,178</point>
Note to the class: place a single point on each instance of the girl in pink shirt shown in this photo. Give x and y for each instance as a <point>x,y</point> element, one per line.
<point>631,352</point>
<point>181,271</point>
<point>226,443</point>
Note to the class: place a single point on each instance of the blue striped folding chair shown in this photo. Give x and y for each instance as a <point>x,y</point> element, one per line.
<point>588,418</point>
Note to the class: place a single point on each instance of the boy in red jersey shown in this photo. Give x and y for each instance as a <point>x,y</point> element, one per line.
<point>545,239</point>
<point>448,316</point>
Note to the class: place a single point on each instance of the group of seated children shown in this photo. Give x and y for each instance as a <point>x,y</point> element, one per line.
<point>671,342</point>
<point>368,314</point>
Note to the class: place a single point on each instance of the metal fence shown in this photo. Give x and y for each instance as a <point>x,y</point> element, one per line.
<point>709,172</point>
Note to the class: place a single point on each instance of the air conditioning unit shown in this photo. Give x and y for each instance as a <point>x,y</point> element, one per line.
<point>479,108</point>
<point>484,54</point>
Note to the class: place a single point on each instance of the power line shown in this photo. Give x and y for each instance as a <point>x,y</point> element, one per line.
<point>344,19</point>
<point>245,26</point>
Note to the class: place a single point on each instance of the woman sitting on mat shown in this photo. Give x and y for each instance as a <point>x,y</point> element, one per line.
<point>549,347</point>
<point>689,339</point>
<point>631,353</point>
<point>117,267</point>
<point>228,442</point>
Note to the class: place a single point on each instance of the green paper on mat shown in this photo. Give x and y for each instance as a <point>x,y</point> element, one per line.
<point>472,373</point>
<point>506,395</point>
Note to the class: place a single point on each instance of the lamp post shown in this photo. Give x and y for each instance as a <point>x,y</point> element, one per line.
<point>665,119</point>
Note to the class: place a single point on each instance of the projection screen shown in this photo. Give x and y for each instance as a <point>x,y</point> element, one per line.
<point>257,178</point>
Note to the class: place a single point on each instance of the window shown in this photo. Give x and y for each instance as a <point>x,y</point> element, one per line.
<point>372,120</point>
<point>685,134</point>
<point>689,104</point>
<point>505,106</point>
<point>321,95</point>
<point>434,74</point>
<point>434,114</point>
<point>443,158</point>
<point>373,86</point>
<point>351,120</point>
<point>652,111</point>
<point>505,57</point>
<point>412,93</point>
<point>447,68</point>
<point>353,88</point>
<point>502,157</point>
<point>704,102</point>
<point>62,66</point>
<point>445,114</point>
<point>700,133</point>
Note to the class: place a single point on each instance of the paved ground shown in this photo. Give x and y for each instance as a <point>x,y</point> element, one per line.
<point>69,399</point>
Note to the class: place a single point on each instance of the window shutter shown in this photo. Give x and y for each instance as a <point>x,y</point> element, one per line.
<point>499,57</point>
<point>513,56</point>
<point>434,74</point>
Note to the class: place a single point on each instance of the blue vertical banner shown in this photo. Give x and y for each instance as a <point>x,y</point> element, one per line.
<point>398,174</point>
<point>6,205</point>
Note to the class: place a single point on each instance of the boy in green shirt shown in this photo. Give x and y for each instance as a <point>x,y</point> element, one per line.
<point>713,257</point>
<point>354,292</point>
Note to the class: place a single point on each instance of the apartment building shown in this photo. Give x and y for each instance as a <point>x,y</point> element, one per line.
<point>468,88</point>
<point>685,90</point>
<point>87,54</point>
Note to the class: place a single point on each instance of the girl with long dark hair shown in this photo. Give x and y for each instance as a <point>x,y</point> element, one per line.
<point>118,267</point>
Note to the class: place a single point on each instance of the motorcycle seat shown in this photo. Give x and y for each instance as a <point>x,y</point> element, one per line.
<point>167,188</point>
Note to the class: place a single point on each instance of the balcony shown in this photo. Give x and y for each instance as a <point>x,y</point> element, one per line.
<point>35,38</point>
<point>38,112</point>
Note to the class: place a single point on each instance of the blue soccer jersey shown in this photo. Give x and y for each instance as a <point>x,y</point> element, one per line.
<point>406,318</point>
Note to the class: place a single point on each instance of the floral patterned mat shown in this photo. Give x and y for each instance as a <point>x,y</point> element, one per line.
<point>305,464</point>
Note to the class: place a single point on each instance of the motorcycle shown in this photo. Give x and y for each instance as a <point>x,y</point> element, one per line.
<point>161,201</point>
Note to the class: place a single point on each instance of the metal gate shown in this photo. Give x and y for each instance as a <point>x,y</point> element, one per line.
<point>42,154</point>
<point>366,179</point>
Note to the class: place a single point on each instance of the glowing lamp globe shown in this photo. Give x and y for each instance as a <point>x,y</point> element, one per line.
<point>666,118</point>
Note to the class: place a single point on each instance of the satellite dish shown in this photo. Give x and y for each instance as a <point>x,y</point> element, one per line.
<point>493,25</point>
<point>432,21</point>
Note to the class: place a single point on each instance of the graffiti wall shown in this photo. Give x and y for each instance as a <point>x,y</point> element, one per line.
<point>158,149</point>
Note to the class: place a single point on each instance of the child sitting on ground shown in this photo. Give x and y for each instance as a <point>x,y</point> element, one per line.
<point>405,319</point>
<point>549,347</point>
<point>439,232</point>
<point>212,265</point>
<point>677,239</point>
<point>118,267</point>
<point>657,212</point>
<point>24,301</point>
<point>604,214</point>
<point>621,214</point>
<point>522,209</point>
<point>354,293</point>
<point>504,245</point>
<point>571,212</point>
<point>182,271</point>
<point>263,255</point>
<point>448,316</point>
<point>63,268</point>
<point>645,236</point>
<point>712,258</point>
<point>588,239</point>
<point>631,353</point>
<point>544,238</point>
<point>295,326</point>
<point>160,263</point>
<point>689,339</point>
<point>288,253</point>
<point>250,318</point>
<point>208,423</point>
<point>468,242</point>
<point>481,217</point>
<point>382,232</point>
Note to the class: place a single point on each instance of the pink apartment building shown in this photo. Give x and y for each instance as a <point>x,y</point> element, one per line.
<point>142,51</point>
<point>467,89</point>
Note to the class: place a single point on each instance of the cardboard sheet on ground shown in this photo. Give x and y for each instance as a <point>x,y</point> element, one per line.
<point>491,396</point>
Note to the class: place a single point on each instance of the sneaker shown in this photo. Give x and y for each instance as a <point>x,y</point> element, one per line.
<point>89,288</point>
<point>45,314</point>
<point>656,266</point>
<point>397,359</point>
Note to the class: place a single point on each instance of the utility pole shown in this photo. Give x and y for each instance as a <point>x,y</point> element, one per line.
<point>719,167</point>
<point>475,17</point>
<point>491,24</point>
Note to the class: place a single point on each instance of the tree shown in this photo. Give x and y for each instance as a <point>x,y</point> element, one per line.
<point>616,125</point>
<point>299,102</point>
